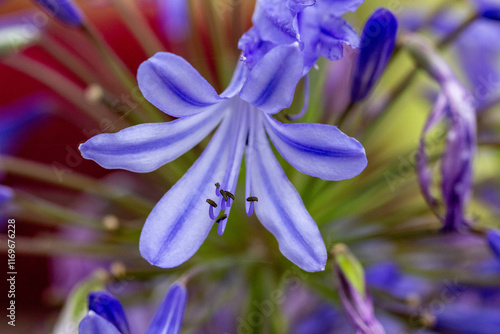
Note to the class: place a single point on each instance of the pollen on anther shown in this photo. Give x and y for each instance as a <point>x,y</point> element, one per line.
<point>224,194</point>
<point>252,200</point>
<point>221,218</point>
<point>229,194</point>
<point>212,203</point>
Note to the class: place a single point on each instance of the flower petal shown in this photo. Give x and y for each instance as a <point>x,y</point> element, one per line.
<point>275,21</point>
<point>338,8</point>
<point>317,149</point>
<point>377,44</point>
<point>271,83</point>
<point>424,171</point>
<point>95,324</point>
<point>180,222</point>
<point>280,208</point>
<point>174,86</point>
<point>109,307</point>
<point>66,11</point>
<point>168,317</point>
<point>146,147</point>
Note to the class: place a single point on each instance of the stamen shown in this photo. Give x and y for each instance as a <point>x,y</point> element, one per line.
<point>250,209</point>
<point>211,212</point>
<point>224,194</point>
<point>223,205</point>
<point>229,194</point>
<point>228,203</point>
<point>212,203</point>
<point>217,191</point>
<point>221,218</point>
<point>252,200</point>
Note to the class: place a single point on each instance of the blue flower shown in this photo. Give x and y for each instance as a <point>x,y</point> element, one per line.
<point>65,11</point>
<point>106,314</point>
<point>455,105</point>
<point>377,43</point>
<point>182,219</point>
<point>317,26</point>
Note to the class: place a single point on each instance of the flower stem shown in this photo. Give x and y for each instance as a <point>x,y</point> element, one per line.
<point>63,86</point>
<point>72,63</point>
<point>121,71</point>
<point>138,26</point>
<point>70,179</point>
<point>58,216</point>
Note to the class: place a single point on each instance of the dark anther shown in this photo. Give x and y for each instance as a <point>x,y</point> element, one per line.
<point>212,203</point>
<point>252,199</point>
<point>217,185</point>
<point>224,194</point>
<point>221,218</point>
<point>229,194</point>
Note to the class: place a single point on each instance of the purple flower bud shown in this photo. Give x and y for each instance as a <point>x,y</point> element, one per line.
<point>168,318</point>
<point>377,44</point>
<point>353,293</point>
<point>106,314</point>
<point>457,105</point>
<point>108,307</point>
<point>65,11</point>
<point>494,242</point>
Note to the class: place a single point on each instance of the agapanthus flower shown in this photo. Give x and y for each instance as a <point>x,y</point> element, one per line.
<point>106,314</point>
<point>65,11</point>
<point>377,43</point>
<point>455,105</point>
<point>182,219</point>
<point>317,26</point>
<point>353,292</point>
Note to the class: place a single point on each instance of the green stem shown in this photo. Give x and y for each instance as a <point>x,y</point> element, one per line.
<point>51,246</point>
<point>138,26</point>
<point>67,178</point>
<point>61,85</point>
<point>121,71</point>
